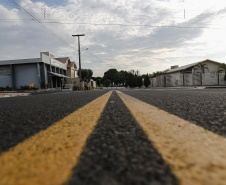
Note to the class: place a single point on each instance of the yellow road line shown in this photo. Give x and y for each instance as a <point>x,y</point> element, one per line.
<point>196,156</point>
<point>48,157</point>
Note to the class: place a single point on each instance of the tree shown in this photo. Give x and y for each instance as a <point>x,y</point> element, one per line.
<point>222,68</point>
<point>89,74</point>
<point>147,81</point>
<point>201,67</point>
<point>155,74</point>
<point>122,77</point>
<point>86,74</point>
<point>134,81</point>
<point>98,80</point>
<point>130,79</point>
<point>107,83</point>
<point>139,81</point>
<point>111,74</point>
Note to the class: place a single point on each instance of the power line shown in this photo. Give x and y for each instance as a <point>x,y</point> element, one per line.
<point>39,22</point>
<point>94,56</point>
<point>111,24</point>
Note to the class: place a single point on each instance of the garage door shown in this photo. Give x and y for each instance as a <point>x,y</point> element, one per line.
<point>5,76</point>
<point>26,74</point>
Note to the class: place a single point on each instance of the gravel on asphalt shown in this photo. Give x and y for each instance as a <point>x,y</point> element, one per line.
<point>22,117</point>
<point>204,107</point>
<point>118,152</point>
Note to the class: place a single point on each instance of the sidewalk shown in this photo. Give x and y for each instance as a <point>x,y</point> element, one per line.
<point>13,94</point>
<point>6,94</point>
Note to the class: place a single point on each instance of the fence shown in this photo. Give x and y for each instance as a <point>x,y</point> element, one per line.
<point>189,79</point>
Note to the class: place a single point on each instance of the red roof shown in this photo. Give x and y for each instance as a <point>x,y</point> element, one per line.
<point>63,59</point>
<point>70,64</point>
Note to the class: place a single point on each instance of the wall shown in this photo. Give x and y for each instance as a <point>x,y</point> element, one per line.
<point>46,59</point>
<point>5,76</point>
<point>26,74</point>
<point>213,67</point>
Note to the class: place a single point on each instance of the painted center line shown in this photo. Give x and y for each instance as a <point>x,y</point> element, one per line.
<point>196,156</point>
<point>49,156</point>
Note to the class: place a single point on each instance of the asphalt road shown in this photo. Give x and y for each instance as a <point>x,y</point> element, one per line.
<point>117,151</point>
<point>204,107</point>
<point>22,117</point>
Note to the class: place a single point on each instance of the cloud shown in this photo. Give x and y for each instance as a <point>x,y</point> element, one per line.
<point>137,34</point>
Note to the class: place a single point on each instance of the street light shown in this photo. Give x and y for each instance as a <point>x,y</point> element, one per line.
<point>80,70</point>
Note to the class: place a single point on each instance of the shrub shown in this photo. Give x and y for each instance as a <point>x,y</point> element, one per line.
<point>2,88</point>
<point>47,85</point>
<point>7,88</point>
<point>25,87</point>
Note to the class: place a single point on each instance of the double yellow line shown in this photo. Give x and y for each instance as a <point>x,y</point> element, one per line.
<point>48,157</point>
<point>195,155</point>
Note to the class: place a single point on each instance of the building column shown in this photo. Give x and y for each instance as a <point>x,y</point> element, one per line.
<point>39,75</point>
<point>12,76</point>
<point>43,75</point>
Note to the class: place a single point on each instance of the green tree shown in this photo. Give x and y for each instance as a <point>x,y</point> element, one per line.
<point>98,80</point>
<point>134,81</point>
<point>112,75</point>
<point>147,81</point>
<point>122,77</point>
<point>158,73</point>
<point>86,74</point>
<point>222,68</point>
<point>89,74</point>
<point>139,81</point>
<point>107,83</point>
<point>130,79</point>
<point>201,67</point>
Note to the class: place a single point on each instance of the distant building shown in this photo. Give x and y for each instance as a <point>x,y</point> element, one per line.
<point>37,71</point>
<point>71,66</point>
<point>188,75</point>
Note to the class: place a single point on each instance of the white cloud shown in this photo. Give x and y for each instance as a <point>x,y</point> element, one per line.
<point>145,35</point>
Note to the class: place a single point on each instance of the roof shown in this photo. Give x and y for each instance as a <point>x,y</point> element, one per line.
<point>182,67</point>
<point>189,65</point>
<point>63,59</point>
<point>20,61</point>
<point>70,64</point>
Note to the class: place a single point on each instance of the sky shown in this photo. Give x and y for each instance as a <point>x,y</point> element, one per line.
<point>143,35</point>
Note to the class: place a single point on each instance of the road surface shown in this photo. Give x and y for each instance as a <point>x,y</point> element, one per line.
<point>148,136</point>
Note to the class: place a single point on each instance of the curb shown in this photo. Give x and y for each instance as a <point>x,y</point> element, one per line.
<point>7,95</point>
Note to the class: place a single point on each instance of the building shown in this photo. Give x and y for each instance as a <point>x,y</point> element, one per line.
<point>188,75</point>
<point>71,66</point>
<point>35,72</point>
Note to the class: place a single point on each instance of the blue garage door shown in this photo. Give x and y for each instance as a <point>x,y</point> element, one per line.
<point>25,74</point>
<point>5,76</point>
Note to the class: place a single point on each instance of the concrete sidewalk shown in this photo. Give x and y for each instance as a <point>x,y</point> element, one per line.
<point>13,94</point>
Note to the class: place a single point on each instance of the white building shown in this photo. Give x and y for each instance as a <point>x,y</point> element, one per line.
<point>188,75</point>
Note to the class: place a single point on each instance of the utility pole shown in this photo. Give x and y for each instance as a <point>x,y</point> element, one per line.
<point>44,11</point>
<point>79,57</point>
